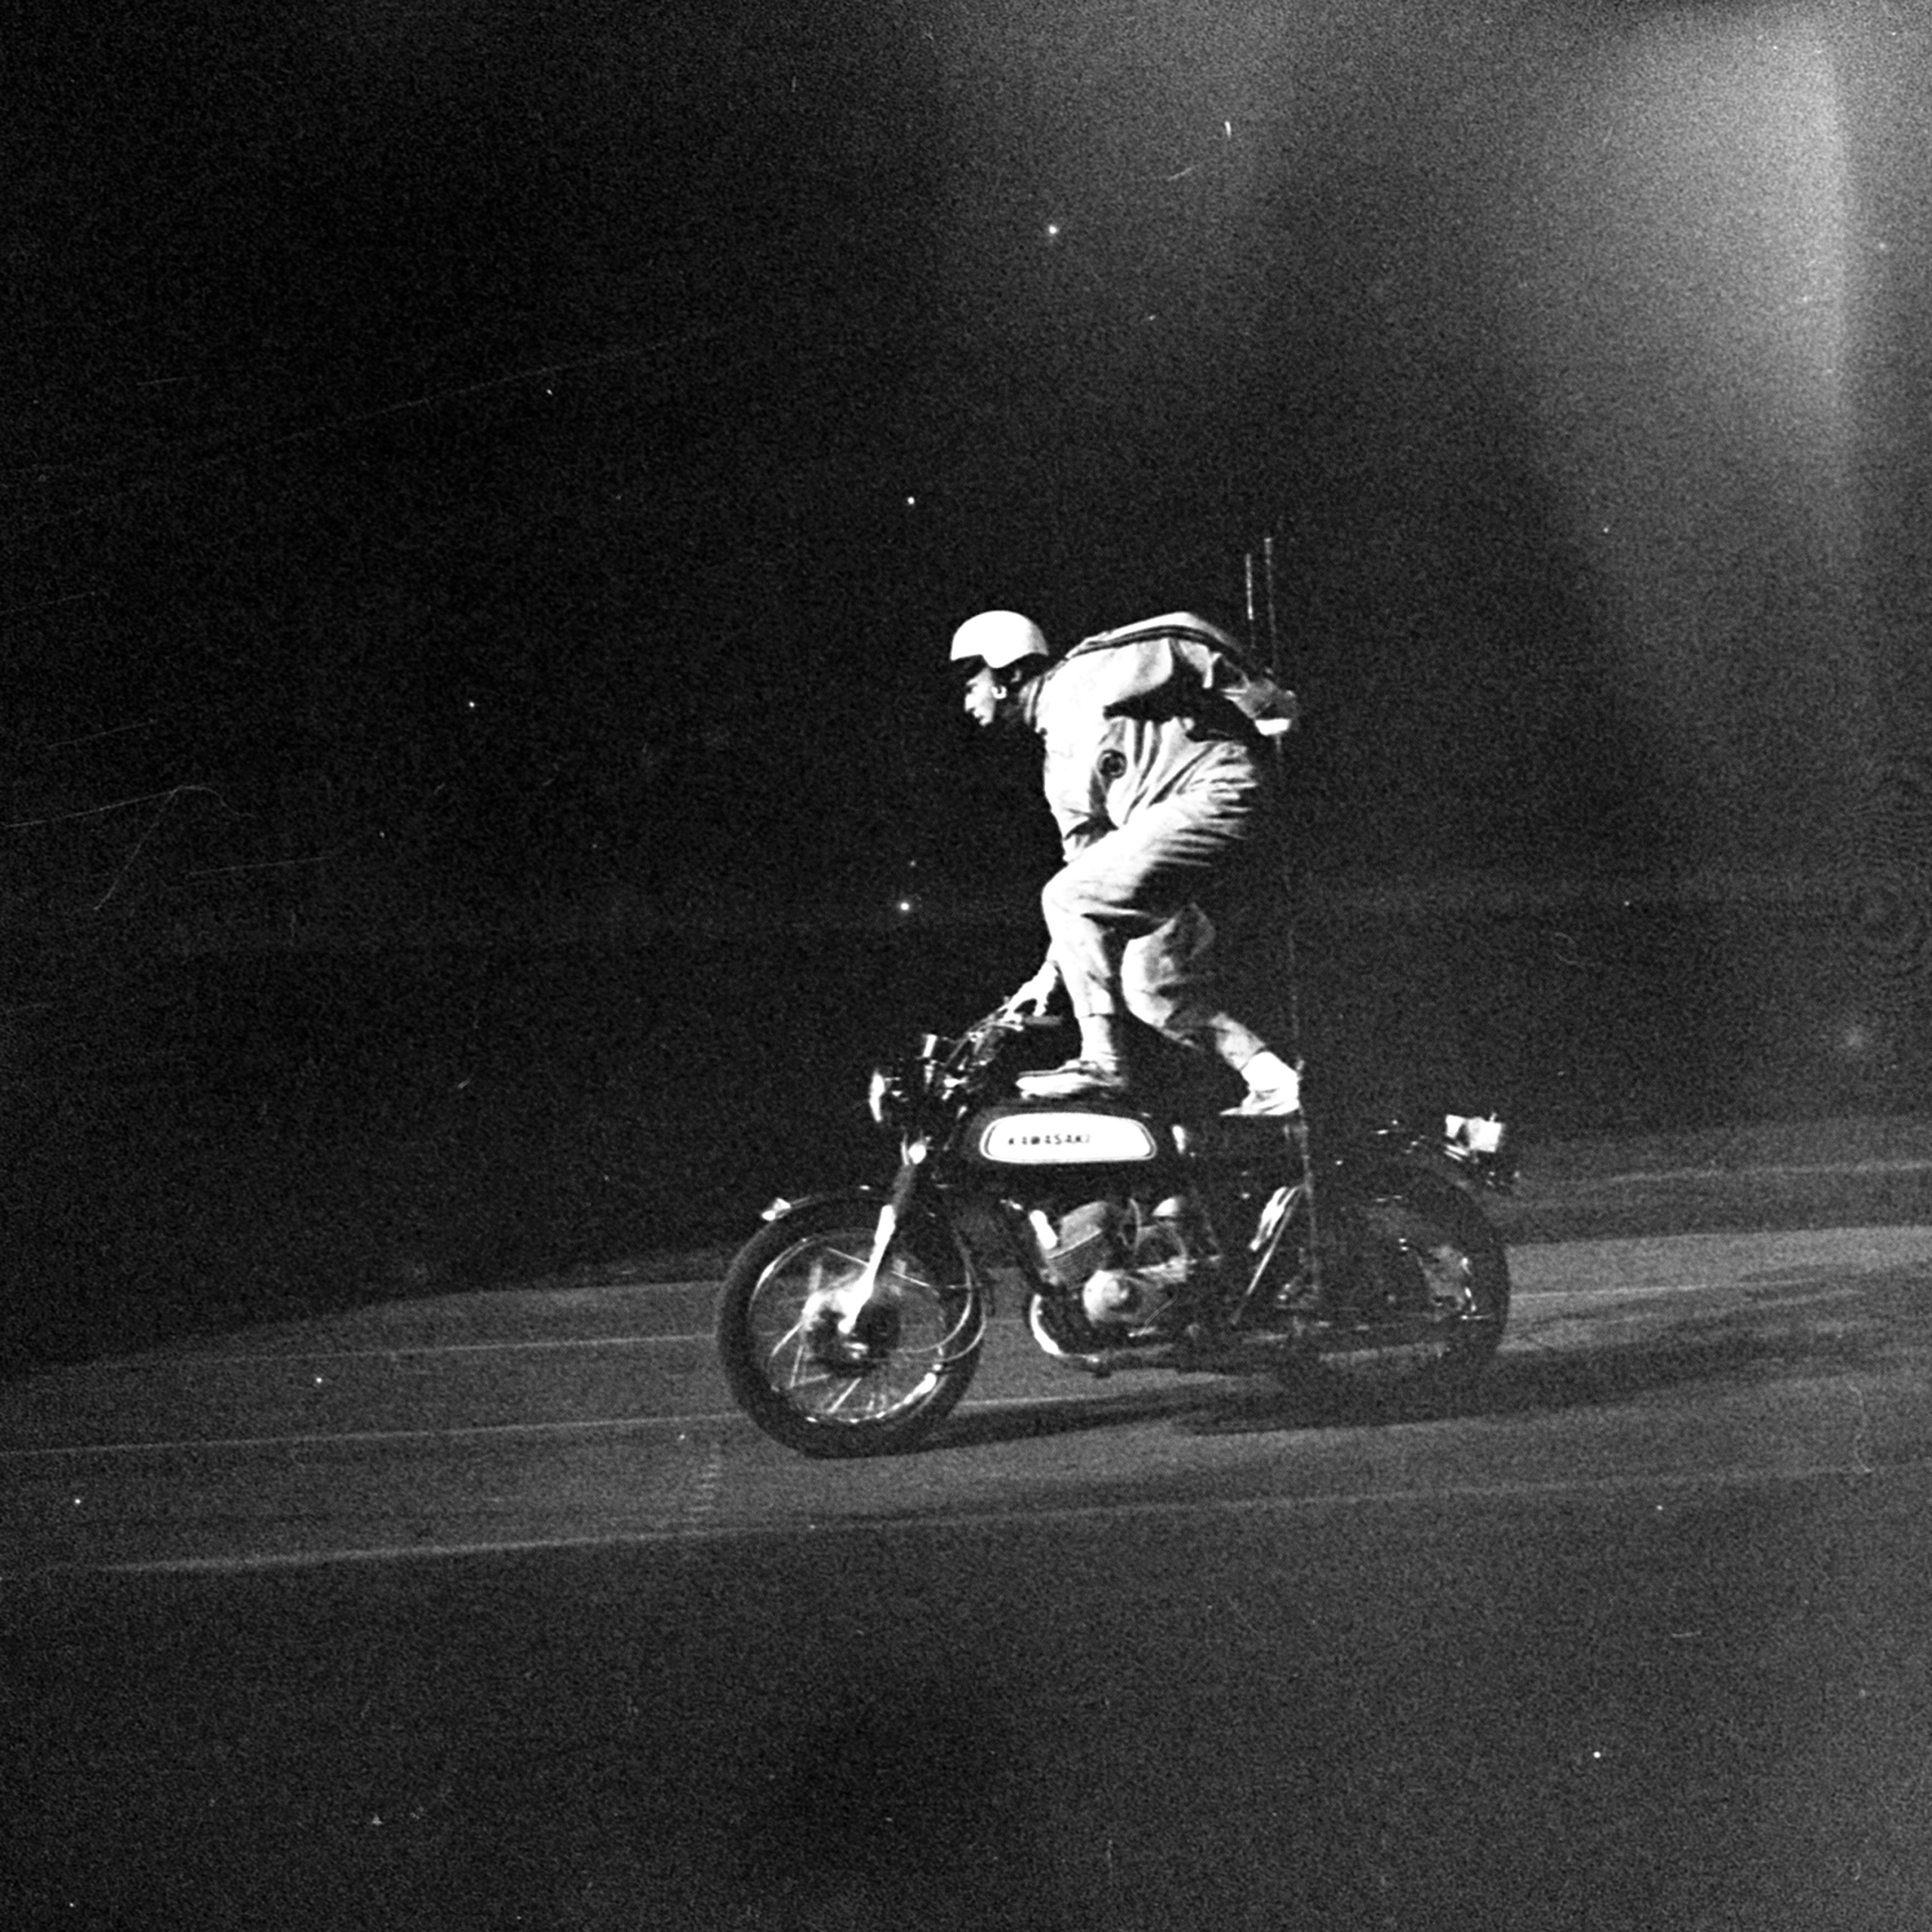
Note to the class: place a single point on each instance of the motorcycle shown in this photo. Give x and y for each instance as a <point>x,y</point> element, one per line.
<point>852,1323</point>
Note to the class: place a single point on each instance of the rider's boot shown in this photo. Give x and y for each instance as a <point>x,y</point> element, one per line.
<point>1274,1088</point>
<point>1100,1069</point>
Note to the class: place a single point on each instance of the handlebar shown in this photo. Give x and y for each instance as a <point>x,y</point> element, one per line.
<point>977,1045</point>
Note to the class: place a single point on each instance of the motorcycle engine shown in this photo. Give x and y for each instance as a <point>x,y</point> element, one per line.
<point>1125,1262</point>
<point>1087,1239</point>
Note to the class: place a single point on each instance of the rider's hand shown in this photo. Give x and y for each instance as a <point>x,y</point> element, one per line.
<point>1032,999</point>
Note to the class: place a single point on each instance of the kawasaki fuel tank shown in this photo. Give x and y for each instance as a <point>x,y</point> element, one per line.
<point>1063,1133</point>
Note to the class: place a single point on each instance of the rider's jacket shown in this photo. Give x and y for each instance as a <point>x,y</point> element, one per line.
<point>1134,716</point>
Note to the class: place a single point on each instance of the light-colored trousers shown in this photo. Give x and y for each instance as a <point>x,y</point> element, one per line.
<point>1139,918</point>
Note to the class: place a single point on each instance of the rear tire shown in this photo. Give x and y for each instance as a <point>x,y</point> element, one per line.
<point>922,1351</point>
<point>1415,1287</point>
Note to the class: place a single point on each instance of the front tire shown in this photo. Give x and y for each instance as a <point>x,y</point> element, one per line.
<point>921,1346</point>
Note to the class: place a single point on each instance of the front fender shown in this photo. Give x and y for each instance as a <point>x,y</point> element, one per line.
<point>780,1207</point>
<point>931,1218</point>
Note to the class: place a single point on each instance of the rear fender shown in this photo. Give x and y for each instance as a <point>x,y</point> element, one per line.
<point>1398,1147</point>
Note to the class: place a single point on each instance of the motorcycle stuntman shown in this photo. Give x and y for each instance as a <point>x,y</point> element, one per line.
<point>1158,775</point>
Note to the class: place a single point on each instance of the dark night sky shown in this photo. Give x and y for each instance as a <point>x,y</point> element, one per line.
<point>554,444</point>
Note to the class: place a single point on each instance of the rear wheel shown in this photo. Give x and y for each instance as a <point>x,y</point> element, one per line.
<point>1415,1286</point>
<point>877,1391</point>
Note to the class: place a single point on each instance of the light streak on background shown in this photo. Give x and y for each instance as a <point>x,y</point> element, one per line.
<point>1683,247</point>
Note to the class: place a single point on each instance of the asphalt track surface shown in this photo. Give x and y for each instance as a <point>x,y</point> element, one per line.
<point>487,1611</point>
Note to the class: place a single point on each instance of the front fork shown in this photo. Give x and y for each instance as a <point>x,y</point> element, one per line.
<point>847,1302</point>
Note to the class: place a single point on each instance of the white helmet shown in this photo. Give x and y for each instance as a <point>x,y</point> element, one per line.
<point>998,638</point>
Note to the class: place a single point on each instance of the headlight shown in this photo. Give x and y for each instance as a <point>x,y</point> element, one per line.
<point>893,1094</point>
<point>889,1097</point>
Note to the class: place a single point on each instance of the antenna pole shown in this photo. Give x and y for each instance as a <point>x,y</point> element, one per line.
<point>1289,902</point>
<point>1274,621</point>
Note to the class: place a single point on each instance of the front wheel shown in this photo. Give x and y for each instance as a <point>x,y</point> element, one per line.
<point>1415,1286</point>
<point>919,1339</point>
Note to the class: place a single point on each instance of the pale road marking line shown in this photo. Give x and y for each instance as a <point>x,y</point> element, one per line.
<point>1792,1171</point>
<point>701,1418</point>
<point>588,1425</point>
<point>1192,1510</point>
<point>253,1358</point>
<point>1609,1291</point>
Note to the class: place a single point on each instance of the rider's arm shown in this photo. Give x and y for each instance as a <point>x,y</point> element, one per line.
<point>1078,802</point>
<point>1269,707</point>
<point>1036,995</point>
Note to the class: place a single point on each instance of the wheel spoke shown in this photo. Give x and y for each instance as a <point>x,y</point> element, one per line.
<point>935,1329</point>
<point>844,1394</point>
